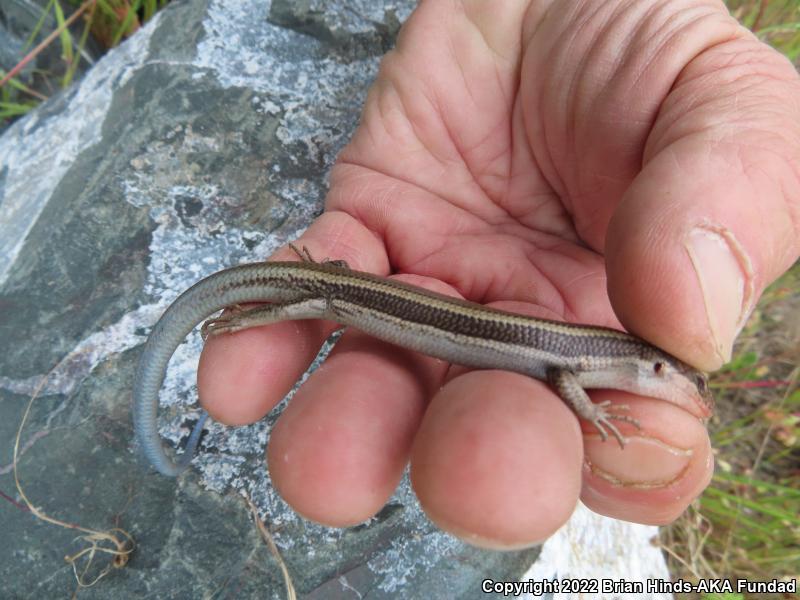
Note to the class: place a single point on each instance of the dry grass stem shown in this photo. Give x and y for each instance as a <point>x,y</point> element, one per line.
<point>267,537</point>
<point>119,543</point>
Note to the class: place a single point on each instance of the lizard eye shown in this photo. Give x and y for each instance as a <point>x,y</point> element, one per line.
<point>658,368</point>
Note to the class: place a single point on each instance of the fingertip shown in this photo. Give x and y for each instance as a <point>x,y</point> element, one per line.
<point>339,449</point>
<point>497,460</point>
<point>663,467</point>
<point>242,375</point>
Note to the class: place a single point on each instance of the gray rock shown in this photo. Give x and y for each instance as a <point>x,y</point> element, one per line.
<point>354,27</point>
<point>202,142</point>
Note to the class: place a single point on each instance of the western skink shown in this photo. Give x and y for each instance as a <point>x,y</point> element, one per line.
<point>570,357</point>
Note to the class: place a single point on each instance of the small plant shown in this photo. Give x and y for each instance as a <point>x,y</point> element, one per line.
<point>108,22</point>
<point>747,523</point>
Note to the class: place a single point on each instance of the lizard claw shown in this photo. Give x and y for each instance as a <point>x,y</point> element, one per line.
<point>221,324</point>
<point>213,327</point>
<point>603,417</point>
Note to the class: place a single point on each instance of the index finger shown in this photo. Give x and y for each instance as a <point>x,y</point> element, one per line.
<point>243,375</point>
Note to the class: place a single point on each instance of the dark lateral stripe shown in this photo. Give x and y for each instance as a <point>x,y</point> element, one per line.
<point>461,322</point>
<point>374,293</point>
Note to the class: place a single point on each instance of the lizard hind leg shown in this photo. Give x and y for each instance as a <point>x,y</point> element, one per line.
<point>305,256</point>
<point>264,314</point>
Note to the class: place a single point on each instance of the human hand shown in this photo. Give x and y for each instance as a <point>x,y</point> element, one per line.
<point>540,161</point>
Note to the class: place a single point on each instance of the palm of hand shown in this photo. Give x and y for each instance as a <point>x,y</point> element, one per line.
<point>515,170</point>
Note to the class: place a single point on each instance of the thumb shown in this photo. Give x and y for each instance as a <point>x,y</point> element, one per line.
<point>714,215</point>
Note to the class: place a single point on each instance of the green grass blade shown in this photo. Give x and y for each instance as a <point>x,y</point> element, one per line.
<point>66,40</point>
